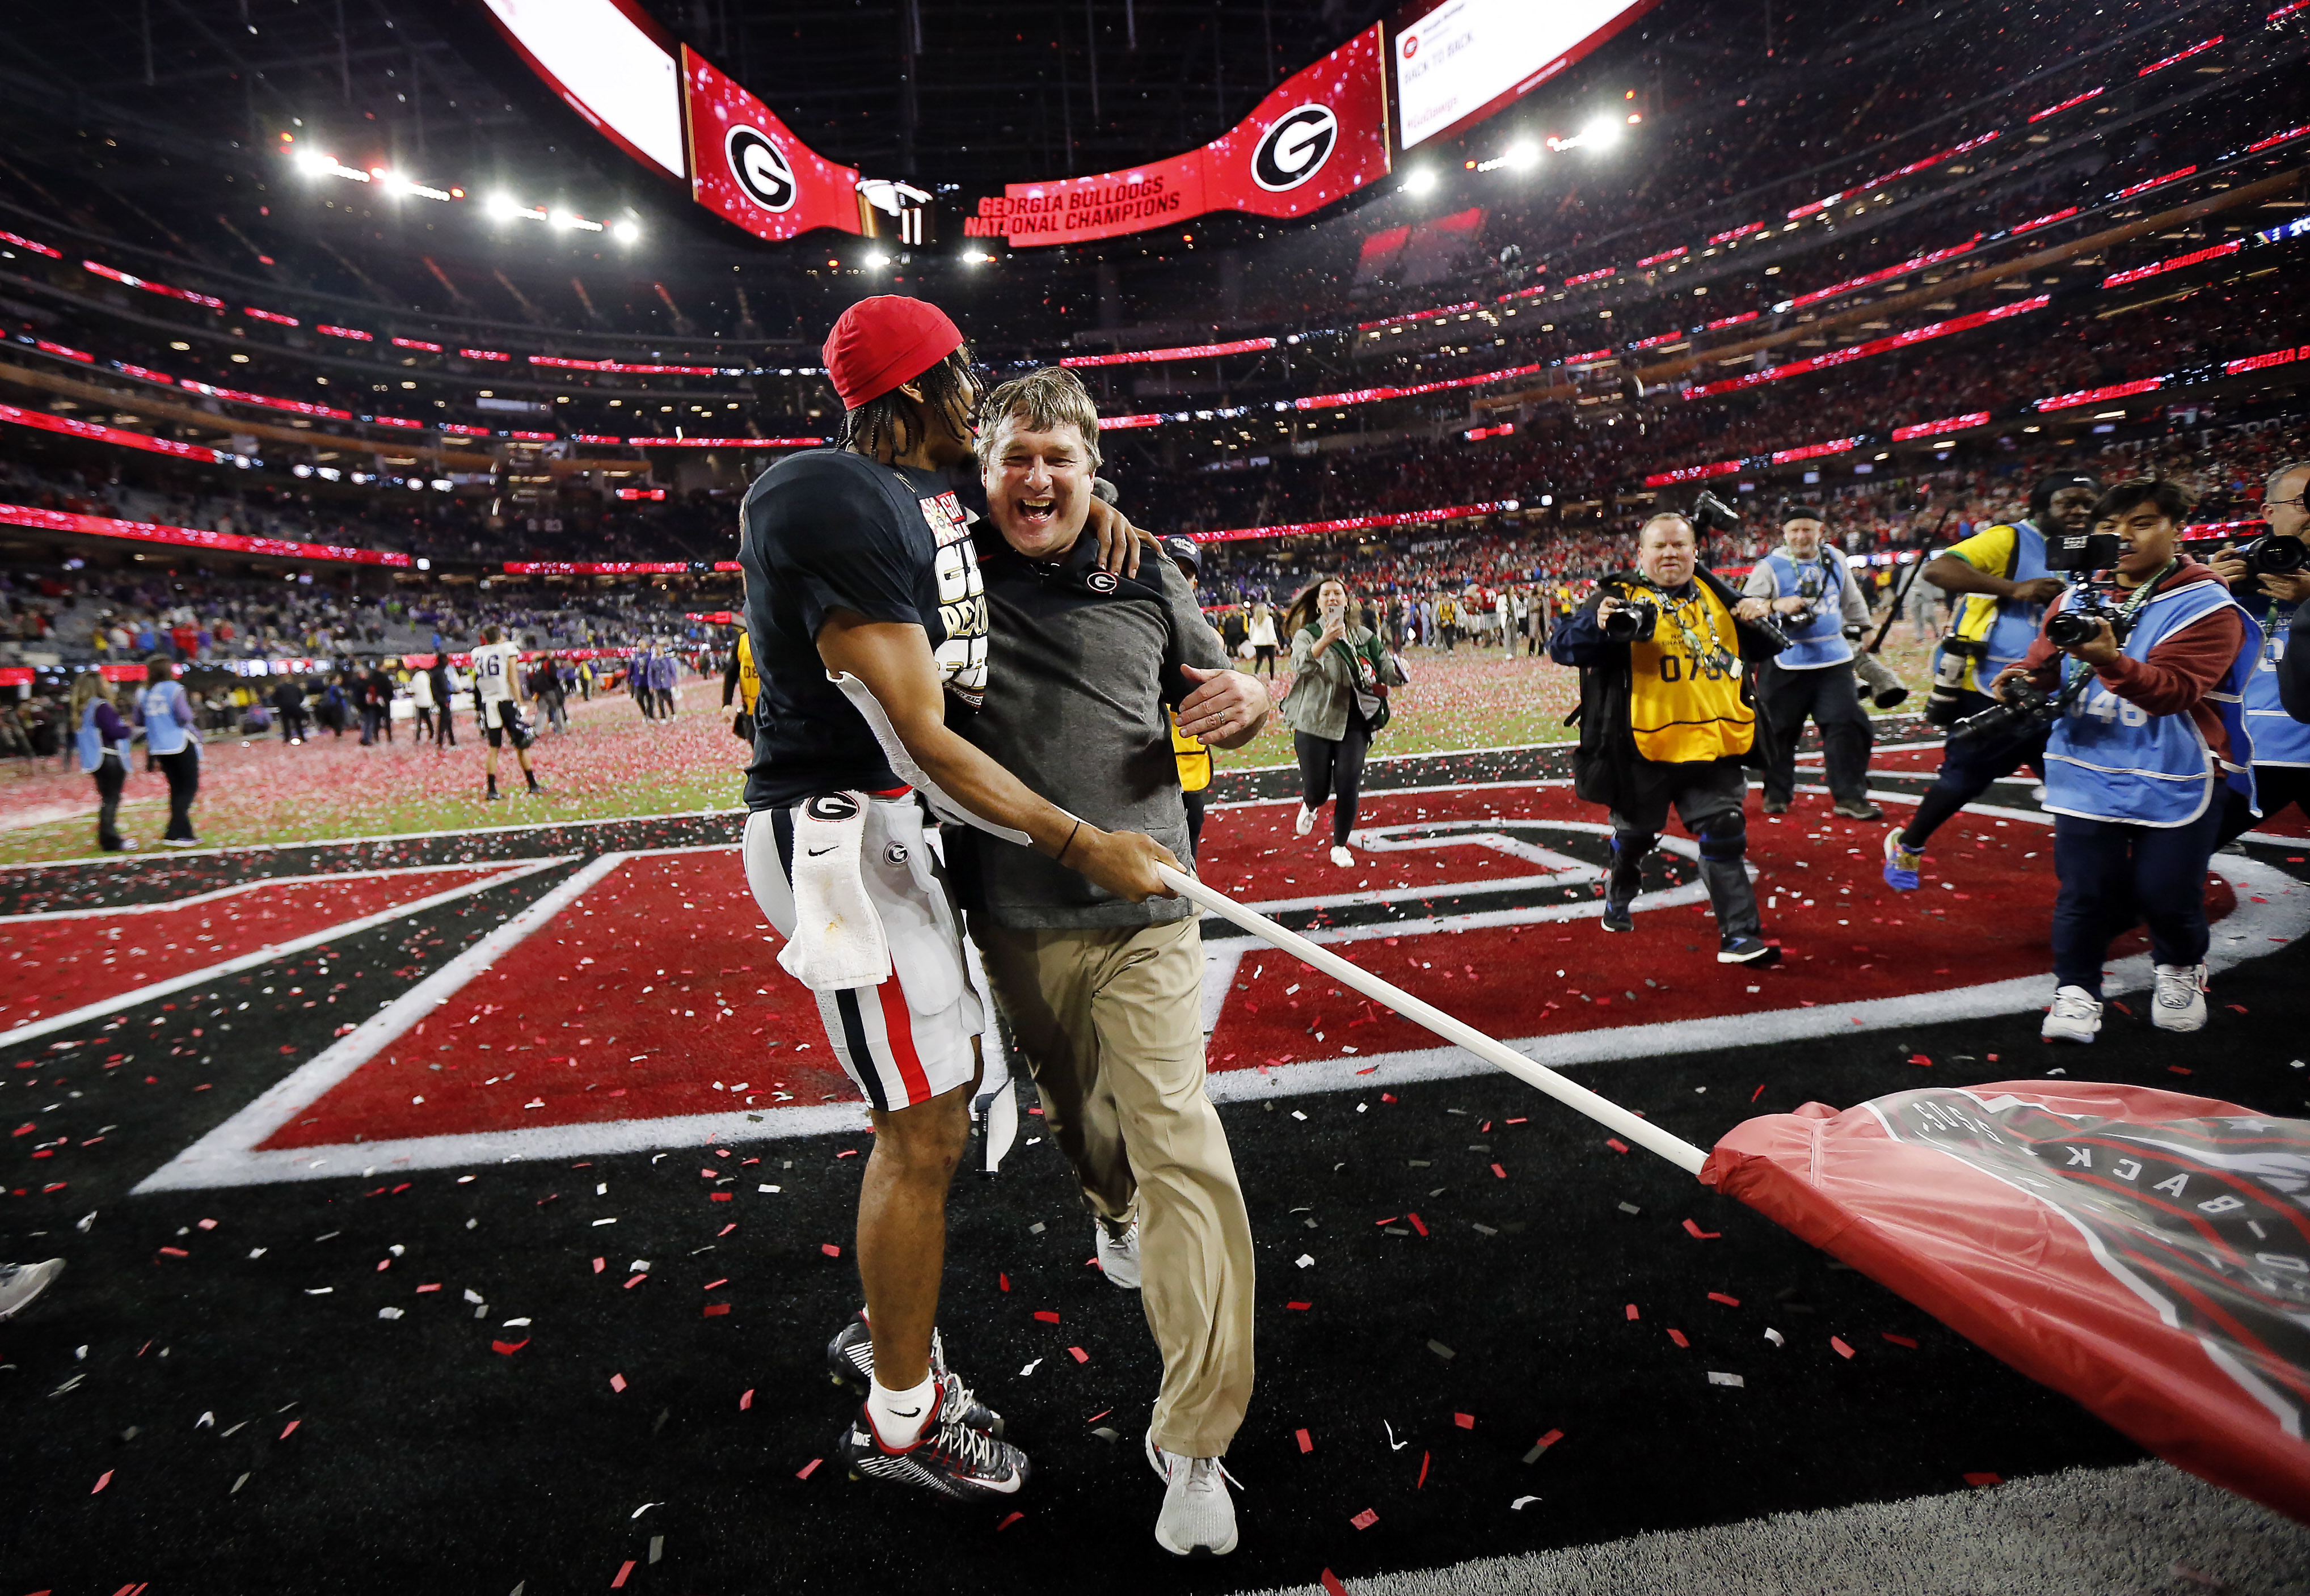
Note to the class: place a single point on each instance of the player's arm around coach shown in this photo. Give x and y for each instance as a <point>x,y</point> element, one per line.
<point>1105,996</point>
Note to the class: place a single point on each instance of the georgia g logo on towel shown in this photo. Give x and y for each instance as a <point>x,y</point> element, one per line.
<point>831,806</point>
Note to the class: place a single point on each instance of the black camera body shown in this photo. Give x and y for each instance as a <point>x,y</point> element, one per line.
<point>2269,555</point>
<point>2024,710</point>
<point>1634,624</point>
<point>1712,514</point>
<point>2082,617</point>
<point>2074,552</point>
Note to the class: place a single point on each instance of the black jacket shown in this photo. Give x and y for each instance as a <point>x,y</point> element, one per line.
<point>2294,667</point>
<point>1607,755</point>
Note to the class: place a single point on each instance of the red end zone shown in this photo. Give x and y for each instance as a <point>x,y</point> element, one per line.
<point>660,981</point>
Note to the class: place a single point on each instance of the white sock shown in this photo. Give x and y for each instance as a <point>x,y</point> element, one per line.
<point>900,1417</point>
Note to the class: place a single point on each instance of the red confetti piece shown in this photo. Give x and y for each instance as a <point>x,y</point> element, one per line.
<point>1500,1172</point>
<point>1758,1093</point>
<point>715,1309</point>
<point>291,1429</point>
<point>174,1253</point>
<point>1003,1281</point>
<point>1698,1233</point>
<point>102,1480</point>
<point>2240,1008</point>
<point>1423,1471</point>
<point>1678,1337</point>
<point>1416,1225</point>
<point>1307,1441</point>
<point>1046,1315</point>
<point>1078,1354</point>
<point>1919,1058</point>
<point>1095,1417</point>
<point>1466,1421</point>
<point>508,1347</point>
<point>1730,1301</point>
<point>1908,1341</point>
<point>636,1281</point>
<point>1980,1480</point>
<point>617,1382</point>
<point>830,1249</point>
<point>719,1197</point>
<point>436,1286</point>
<point>745,1398</point>
<point>1009,1518</point>
<point>619,1583</point>
<point>1547,1441</point>
<point>1616,1144</point>
<point>2176,1070</point>
<point>1391,1219</point>
<point>848,1152</point>
<point>808,1469</point>
<point>1842,1349</point>
<point>711,1284</point>
<point>1332,1585</point>
<point>1298,1307</point>
<point>1633,1314</point>
<point>599,1266</point>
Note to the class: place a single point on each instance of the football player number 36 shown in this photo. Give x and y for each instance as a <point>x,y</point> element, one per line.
<point>2108,708</point>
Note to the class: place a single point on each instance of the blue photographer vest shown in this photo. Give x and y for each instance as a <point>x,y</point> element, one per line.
<point>2005,627</point>
<point>162,735</point>
<point>2110,759</point>
<point>91,744</point>
<point>1819,641</point>
<point>2278,739</point>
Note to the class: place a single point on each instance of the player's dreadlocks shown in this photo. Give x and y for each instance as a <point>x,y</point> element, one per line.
<point>892,418</point>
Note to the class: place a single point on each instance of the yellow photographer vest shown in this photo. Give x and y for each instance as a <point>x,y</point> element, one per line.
<point>1194,759</point>
<point>1682,709</point>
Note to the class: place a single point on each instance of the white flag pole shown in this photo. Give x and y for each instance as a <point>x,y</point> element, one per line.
<point>1603,1111</point>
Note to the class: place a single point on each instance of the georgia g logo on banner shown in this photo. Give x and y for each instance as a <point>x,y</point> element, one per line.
<point>1295,148</point>
<point>760,168</point>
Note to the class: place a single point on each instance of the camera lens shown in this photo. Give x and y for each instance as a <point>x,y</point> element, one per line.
<point>2067,630</point>
<point>2273,556</point>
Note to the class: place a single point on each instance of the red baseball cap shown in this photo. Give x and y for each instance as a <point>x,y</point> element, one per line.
<point>882,341</point>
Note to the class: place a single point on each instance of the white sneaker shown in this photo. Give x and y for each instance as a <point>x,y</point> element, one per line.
<point>1304,823</point>
<point>1342,857</point>
<point>2075,1016</point>
<point>1198,1516</point>
<point>20,1283</point>
<point>2181,1000</point>
<point>1118,1256</point>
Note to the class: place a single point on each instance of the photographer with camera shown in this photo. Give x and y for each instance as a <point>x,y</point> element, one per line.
<point>1665,718</point>
<point>1818,603</point>
<point>2001,582</point>
<point>2140,692</point>
<point>2267,575</point>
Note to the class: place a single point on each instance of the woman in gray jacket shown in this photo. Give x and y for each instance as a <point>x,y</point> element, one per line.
<point>1335,661</point>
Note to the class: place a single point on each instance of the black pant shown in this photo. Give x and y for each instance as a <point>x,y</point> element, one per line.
<point>445,726</point>
<point>1827,697</point>
<point>111,776</point>
<point>1969,765</point>
<point>424,721</point>
<point>292,726</point>
<point>1329,768</point>
<point>1195,804</point>
<point>371,716</point>
<point>2277,785</point>
<point>1264,653</point>
<point>2112,875</point>
<point>1708,796</point>
<point>183,769</point>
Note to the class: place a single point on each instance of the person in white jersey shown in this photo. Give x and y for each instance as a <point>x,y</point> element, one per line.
<point>497,701</point>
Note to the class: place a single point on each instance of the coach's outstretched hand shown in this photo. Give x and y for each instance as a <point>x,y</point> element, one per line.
<point>1120,862</point>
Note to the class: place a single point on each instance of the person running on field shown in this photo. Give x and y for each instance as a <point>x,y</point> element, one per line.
<point>497,703</point>
<point>868,624</point>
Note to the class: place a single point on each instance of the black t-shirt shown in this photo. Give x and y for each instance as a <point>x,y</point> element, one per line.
<point>830,529</point>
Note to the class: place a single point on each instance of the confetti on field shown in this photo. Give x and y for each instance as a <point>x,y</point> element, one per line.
<point>1365,1520</point>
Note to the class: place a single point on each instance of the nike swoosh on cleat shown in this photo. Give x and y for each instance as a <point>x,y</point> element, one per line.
<point>814,853</point>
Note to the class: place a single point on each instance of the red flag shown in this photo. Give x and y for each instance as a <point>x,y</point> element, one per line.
<point>2141,1252</point>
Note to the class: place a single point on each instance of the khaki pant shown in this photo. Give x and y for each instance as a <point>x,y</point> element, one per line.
<point>1111,1025</point>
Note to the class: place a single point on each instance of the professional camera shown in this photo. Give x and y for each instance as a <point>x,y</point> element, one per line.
<point>1712,514</point>
<point>1634,624</point>
<point>1949,677</point>
<point>2082,618</point>
<point>2082,551</point>
<point>2023,710</point>
<point>2268,555</point>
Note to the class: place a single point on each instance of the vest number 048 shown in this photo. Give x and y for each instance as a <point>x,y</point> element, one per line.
<point>2108,708</point>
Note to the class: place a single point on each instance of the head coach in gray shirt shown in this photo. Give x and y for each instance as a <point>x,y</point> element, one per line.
<point>1105,996</point>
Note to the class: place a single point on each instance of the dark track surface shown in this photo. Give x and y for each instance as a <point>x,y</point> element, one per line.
<point>423,1459</point>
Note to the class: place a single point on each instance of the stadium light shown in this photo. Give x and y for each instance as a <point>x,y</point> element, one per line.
<point>877,259</point>
<point>313,162</point>
<point>1601,134</point>
<point>626,232</point>
<point>1420,179</point>
<point>1522,156</point>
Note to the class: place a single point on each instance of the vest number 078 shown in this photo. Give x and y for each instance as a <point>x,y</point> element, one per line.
<point>2108,708</point>
<point>1672,669</point>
